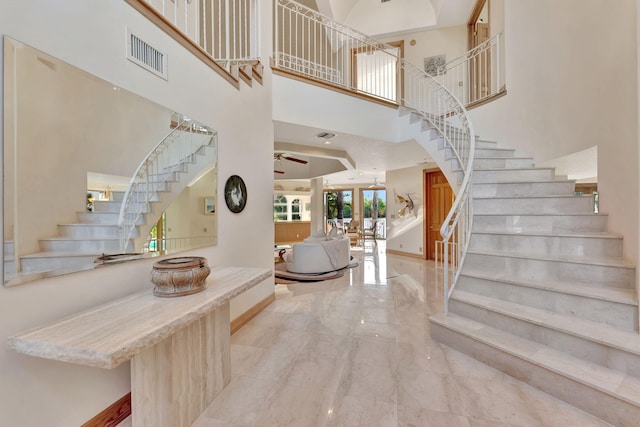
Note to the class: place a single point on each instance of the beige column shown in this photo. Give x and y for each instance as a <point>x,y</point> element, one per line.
<point>317,205</point>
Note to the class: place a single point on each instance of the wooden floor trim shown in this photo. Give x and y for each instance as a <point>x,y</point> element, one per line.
<point>487,100</point>
<point>113,415</point>
<point>245,317</point>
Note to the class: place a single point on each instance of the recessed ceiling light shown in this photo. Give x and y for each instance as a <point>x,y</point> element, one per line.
<point>325,135</point>
<point>327,142</point>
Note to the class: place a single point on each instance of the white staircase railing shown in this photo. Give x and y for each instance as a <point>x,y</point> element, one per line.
<point>228,30</point>
<point>478,74</point>
<point>156,172</point>
<point>444,112</point>
<point>311,44</point>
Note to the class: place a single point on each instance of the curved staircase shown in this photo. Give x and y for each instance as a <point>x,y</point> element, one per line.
<point>544,294</point>
<point>100,232</point>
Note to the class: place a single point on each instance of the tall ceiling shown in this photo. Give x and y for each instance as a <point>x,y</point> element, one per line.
<point>370,159</point>
<point>377,18</point>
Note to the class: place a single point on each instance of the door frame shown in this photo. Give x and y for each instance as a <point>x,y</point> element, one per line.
<point>473,20</point>
<point>399,71</point>
<point>428,210</point>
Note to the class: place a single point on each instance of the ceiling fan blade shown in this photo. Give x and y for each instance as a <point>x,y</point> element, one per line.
<point>293,159</point>
<point>277,171</point>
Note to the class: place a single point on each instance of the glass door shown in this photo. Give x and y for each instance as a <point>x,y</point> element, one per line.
<point>374,211</point>
<point>338,209</point>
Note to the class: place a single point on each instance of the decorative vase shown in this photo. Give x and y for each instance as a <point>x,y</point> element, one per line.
<point>174,277</point>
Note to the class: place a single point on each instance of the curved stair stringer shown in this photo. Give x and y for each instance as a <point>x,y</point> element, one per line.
<point>202,161</point>
<point>414,126</point>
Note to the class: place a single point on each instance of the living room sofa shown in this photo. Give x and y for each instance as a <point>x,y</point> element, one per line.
<point>319,255</point>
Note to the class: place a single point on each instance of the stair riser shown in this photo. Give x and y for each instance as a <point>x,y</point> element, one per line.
<point>486,144</point>
<point>513,175</point>
<point>540,223</point>
<point>570,344</point>
<point>9,270</point>
<point>80,246</point>
<point>502,163</point>
<point>101,218</point>
<point>31,265</point>
<point>589,399</point>
<point>530,189</point>
<point>102,206</point>
<point>551,245</point>
<point>165,176</point>
<point>153,187</point>
<point>534,269</point>
<point>495,152</point>
<point>117,196</point>
<point>616,314</point>
<point>89,232</point>
<point>533,205</point>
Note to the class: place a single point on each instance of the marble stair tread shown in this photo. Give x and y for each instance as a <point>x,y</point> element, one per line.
<point>628,341</point>
<point>607,380</point>
<point>583,234</point>
<point>602,261</point>
<point>493,158</point>
<point>79,239</point>
<point>541,214</point>
<point>59,254</point>
<point>551,196</point>
<point>498,149</point>
<point>515,181</point>
<point>618,295</point>
<point>515,169</point>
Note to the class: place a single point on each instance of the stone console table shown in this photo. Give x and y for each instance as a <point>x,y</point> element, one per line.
<point>179,347</point>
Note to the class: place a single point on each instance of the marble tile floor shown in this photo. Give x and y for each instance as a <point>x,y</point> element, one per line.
<point>356,351</point>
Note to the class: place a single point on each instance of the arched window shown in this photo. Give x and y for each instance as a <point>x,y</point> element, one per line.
<point>295,210</point>
<point>279,208</point>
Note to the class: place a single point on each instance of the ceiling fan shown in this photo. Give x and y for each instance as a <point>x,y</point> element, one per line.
<point>285,156</point>
<point>376,184</point>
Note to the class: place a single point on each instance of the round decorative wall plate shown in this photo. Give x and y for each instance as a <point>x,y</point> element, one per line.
<point>235,194</point>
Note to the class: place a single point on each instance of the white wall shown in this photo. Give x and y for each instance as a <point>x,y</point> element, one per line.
<point>90,34</point>
<point>451,41</point>
<point>405,234</point>
<point>572,84</point>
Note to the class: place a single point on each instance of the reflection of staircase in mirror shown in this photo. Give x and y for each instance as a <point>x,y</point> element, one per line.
<point>78,244</point>
<point>97,233</point>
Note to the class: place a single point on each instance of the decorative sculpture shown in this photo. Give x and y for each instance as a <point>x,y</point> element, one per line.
<point>407,202</point>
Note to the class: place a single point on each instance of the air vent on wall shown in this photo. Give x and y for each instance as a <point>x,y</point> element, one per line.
<point>146,56</point>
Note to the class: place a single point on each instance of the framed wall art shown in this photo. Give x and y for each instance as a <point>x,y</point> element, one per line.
<point>209,205</point>
<point>235,194</point>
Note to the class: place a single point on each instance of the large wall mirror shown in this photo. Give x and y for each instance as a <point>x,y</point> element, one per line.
<point>76,149</point>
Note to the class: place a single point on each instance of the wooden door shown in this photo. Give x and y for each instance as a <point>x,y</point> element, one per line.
<point>480,67</point>
<point>439,199</point>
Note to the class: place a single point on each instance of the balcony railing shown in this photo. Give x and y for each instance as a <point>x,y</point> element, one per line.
<point>311,44</point>
<point>227,31</point>
<point>478,74</point>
